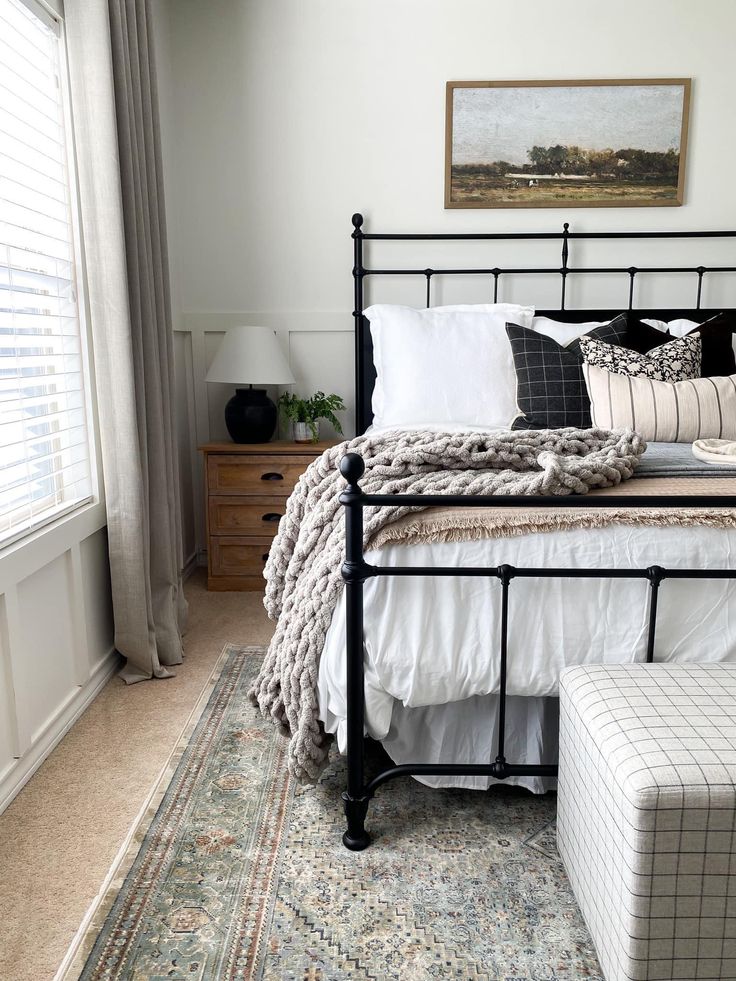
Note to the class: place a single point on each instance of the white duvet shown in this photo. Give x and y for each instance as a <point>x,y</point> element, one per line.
<point>431,644</point>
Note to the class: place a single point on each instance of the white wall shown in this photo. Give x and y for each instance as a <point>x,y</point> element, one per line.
<point>283,117</point>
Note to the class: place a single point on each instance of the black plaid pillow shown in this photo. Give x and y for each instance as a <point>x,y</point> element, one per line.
<point>550,387</point>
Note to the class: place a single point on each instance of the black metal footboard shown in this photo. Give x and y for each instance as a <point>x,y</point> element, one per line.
<point>356,571</point>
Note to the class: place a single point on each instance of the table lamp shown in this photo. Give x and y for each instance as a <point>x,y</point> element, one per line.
<point>249,355</point>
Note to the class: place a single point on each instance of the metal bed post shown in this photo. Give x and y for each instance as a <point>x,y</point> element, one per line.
<point>655,574</point>
<point>564,268</point>
<point>354,572</point>
<point>358,274</point>
<point>505,574</point>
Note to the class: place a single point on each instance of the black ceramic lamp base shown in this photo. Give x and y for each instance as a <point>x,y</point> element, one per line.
<point>250,416</point>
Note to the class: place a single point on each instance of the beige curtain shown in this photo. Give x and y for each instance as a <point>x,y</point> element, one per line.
<point>115,113</point>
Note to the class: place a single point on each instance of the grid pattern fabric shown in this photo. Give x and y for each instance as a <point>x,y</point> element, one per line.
<point>550,388</point>
<point>647,815</point>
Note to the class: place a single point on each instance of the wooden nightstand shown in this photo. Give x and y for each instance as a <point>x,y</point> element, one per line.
<point>246,487</point>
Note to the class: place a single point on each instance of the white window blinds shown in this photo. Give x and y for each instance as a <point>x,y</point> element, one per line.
<point>44,442</point>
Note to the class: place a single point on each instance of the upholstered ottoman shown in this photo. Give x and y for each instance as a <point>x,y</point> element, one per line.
<point>647,815</point>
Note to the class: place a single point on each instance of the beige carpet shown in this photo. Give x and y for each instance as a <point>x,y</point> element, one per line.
<point>63,831</point>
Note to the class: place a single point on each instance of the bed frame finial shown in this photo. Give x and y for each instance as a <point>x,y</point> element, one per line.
<point>357,220</point>
<point>352,467</point>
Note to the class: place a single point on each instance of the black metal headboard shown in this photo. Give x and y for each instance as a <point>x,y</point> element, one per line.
<point>365,374</point>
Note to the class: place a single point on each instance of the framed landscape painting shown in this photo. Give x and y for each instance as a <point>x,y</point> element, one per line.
<point>580,144</point>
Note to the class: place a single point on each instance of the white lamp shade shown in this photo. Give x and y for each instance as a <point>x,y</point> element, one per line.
<point>250,356</point>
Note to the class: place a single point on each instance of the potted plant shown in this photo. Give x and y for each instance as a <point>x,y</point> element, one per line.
<point>305,414</point>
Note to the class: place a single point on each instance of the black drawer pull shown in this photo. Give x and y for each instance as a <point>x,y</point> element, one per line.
<point>265,556</point>
<point>271,516</point>
<point>272,476</point>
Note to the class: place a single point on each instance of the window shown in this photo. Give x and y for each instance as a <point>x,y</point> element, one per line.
<point>45,465</point>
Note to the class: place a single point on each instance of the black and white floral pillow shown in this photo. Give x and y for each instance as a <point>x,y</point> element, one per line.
<point>678,360</point>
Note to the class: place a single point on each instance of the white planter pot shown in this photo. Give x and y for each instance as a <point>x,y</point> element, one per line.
<point>303,432</point>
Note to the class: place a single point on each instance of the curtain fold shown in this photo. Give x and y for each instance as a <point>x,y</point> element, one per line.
<point>115,111</point>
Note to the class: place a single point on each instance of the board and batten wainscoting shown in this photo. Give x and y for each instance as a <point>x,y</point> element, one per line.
<point>319,347</point>
<point>56,638</point>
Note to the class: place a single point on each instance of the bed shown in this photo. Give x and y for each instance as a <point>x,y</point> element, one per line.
<point>453,670</point>
<point>448,650</point>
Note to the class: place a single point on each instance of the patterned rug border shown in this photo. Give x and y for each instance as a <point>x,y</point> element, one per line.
<point>95,917</point>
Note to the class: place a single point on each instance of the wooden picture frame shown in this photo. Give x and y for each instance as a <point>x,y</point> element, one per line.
<point>488,123</point>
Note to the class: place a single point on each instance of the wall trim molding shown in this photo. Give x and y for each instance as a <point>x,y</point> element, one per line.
<point>20,771</point>
<point>282,321</point>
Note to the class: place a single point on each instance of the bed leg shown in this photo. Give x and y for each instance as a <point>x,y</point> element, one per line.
<point>356,838</point>
<point>354,573</point>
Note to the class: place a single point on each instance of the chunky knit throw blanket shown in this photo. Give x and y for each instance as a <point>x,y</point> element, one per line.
<point>303,577</point>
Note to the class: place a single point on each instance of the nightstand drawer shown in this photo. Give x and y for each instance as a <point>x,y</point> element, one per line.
<point>249,516</point>
<point>239,558</point>
<point>264,475</point>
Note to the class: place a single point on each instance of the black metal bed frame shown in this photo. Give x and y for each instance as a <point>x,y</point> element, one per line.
<point>356,571</point>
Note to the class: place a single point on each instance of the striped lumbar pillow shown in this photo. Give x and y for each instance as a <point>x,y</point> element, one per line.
<point>666,412</point>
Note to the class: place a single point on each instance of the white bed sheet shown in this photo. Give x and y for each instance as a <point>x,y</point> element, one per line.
<point>431,644</point>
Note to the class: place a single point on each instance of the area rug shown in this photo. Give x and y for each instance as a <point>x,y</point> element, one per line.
<point>234,872</point>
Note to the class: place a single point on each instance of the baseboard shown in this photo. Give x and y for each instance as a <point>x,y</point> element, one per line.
<point>19,773</point>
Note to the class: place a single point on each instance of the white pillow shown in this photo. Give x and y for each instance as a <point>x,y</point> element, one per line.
<point>444,366</point>
<point>677,328</point>
<point>436,427</point>
<point>564,333</point>
<point>504,309</point>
